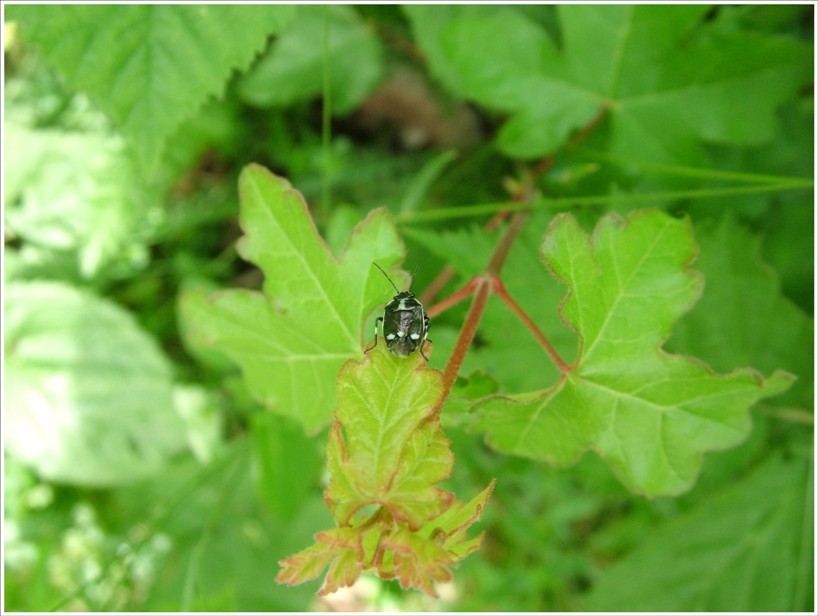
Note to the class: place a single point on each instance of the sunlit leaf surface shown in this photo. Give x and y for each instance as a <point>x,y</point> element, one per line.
<point>650,414</point>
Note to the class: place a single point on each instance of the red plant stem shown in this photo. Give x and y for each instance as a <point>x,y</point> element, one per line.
<point>482,286</point>
<point>457,296</point>
<point>500,290</point>
<point>483,290</point>
<point>440,281</point>
<point>503,248</point>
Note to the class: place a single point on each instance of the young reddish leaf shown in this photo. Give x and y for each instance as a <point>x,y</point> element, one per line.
<point>387,449</point>
<point>650,414</point>
<point>418,561</point>
<point>291,341</point>
<point>451,526</point>
<point>332,546</point>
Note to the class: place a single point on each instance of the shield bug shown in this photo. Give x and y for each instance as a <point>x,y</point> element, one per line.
<point>405,323</point>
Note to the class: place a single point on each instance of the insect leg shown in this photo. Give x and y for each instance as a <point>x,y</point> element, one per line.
<point>425,335</point>
<point>376,335</point>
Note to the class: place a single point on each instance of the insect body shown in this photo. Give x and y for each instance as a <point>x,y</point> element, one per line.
<point>405,323</point>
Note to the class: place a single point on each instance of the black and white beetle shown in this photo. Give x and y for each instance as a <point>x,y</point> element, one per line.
<point>405,323</point>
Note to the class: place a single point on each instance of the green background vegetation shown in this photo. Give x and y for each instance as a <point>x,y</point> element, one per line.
<point>139,471</point>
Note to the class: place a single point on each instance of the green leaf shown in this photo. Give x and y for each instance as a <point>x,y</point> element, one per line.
<point>455,521</point>
<point>75,196</point>
<point>216,541</point>
<point>650,414</point>
<point>429,24</point>
<point>394,451</point>
<point>667,79</point>
<point>743,318</point>
<point>466,249</point>
<point>149,67</point>
<point>386,454</point>
<point>293,70</point>
<point>291,340</point>
<point>282,485</point>
<point>465,392</point>
<point>741,551</point>
<point>89,395</point>
<point>205,355</point>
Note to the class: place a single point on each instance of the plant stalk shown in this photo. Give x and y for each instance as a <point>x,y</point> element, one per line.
<point>500,290</point>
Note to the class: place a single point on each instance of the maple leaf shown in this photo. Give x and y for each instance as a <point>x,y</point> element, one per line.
<point>291,340</point>
<point>743,316</point>
<point>650,414</point>
<point>387,450</point>
<point>667,78</point>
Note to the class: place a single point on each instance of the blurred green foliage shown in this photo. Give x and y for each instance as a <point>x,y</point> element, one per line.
<point>141,474</point>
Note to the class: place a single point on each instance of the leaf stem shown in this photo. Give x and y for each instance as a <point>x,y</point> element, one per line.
<point>692,172</point>
<point>440,281</point>
<point>454,298</point>
<point>482,286</point>
<point>482,209</point>
<point>504,246</point>
<point>489,282</point>
<point>500,290</point>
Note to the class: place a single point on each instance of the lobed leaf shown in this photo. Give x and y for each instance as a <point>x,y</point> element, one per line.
<point>291,340</point>
<point>743,317</point>
<point>650,414</point>
<point>387,451</point>
<point>668,78</point>
<point>451,526</point>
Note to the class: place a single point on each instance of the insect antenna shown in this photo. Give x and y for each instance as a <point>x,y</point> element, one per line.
<point>412,279</point>
<point>387,276</point>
